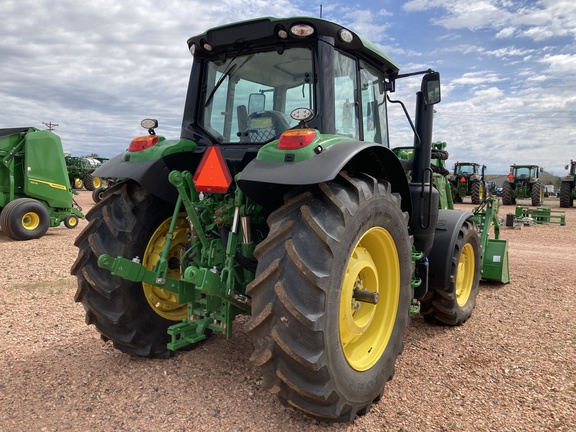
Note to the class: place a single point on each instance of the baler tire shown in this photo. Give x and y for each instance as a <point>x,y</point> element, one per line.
<point>121,225</point>
<point>477,192</point>
<point>320,243</point>
<point>507,195</point>
<point>71,221</point>
<point>25,219</point>
<point>537,194</point>
<point>453,305</point>
<point>566,198</point>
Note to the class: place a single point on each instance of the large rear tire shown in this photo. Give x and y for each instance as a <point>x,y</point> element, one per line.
<point>25,219</point>
<point>134,316</point>
<point>321,349</point>
<point>477,192</point>
<point>91,182</point>
<point>537,194</point>
<point>453,304</point>
<point>507,195</point>
<point>566,198</point>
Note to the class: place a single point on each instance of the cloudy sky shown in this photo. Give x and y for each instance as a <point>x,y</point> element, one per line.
<point>97,68</point>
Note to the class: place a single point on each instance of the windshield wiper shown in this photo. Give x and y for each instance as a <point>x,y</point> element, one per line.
<point>226,73</point>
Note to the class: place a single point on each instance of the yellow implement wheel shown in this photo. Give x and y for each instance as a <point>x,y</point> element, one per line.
<point>465,274</point>
<point>96,182</point>
<point>165,303</point>
<point>366,326</point>
<point>30,221</point>
<point>71,221</point>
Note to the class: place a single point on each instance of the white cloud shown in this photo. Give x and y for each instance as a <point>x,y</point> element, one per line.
<point>506,33</point>
<point>540,20</point>
<point>560,64</point>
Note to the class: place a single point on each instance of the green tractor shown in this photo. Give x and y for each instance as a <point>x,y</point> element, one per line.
<point>523,183</point>
<point>35,192</point>
<point>282,201</point>
<point>568,186</point>
<point>80,172</point>
<point>467,179</point>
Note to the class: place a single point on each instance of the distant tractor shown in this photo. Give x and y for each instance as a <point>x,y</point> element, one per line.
<point>467,180</point>
<point>523,183</point>
<point>567,188</point>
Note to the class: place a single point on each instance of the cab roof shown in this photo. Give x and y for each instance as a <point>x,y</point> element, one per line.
<point>265,32</point>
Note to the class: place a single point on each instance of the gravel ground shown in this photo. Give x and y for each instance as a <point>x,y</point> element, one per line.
<point>511,367</point>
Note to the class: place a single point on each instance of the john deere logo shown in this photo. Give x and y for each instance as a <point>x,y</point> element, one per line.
<point>52,185</point>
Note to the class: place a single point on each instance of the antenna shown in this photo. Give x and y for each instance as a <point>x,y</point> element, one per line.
<point>320,11</point>
<point>50,125</point>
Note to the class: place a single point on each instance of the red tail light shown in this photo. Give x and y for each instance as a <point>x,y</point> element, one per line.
<point>212,174</point>
<point>296,138</point>
<point>142,143</point>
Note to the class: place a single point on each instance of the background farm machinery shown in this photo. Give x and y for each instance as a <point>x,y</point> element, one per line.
<point>35,192</point>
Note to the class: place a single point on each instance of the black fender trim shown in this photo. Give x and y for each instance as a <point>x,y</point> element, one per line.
<point>266,182</point>
<point>151,175</point>
<point>440,257</point>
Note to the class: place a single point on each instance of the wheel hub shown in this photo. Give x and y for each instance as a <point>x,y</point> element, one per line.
<point>369,298</point>
<point>465,274</point>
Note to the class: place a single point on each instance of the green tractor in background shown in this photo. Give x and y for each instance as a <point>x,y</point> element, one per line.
<point>467,179</point>
<point>80,172</point>
<point>283,201</point>
<point>35,192</point>
<point>568,186</point>
<point>522,183</point>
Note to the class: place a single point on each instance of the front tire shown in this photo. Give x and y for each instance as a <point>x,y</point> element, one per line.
<point>98,194</point>
<point>321,349</point>
<point>134,316</point>
<point>453,304</point>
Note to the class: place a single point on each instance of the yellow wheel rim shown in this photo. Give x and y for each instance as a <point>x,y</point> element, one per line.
<point>365,328</point>
<point>96,182</point>
<point>165,303</point>
<point>78,183</point>
<point>465,274</point>
<point>72,221</point>
<point>30,221</point>
<point>481,191</point>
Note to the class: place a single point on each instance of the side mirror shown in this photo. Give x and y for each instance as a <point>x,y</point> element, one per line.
<point>431,88</point>
<point>256,102</point>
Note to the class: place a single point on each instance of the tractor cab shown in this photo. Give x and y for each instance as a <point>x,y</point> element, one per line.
<point>256,80</point>
<point>523,173</point>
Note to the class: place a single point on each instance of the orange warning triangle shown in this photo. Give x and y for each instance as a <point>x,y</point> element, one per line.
<point>212,174</point>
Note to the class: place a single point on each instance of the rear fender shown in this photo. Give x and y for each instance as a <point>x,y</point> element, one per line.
<point>265,182</point>
<point>152,175</point>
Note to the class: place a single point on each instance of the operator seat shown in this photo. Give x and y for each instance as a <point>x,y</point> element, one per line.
<point>265,125</point>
